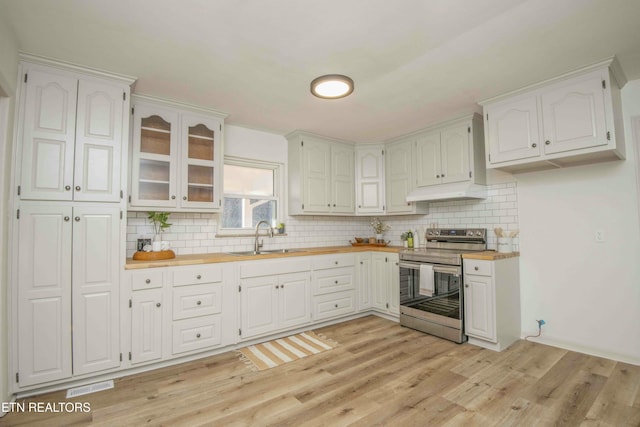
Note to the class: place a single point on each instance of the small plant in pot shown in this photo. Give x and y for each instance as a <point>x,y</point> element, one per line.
<point>281,228</point>
<point>379,228</point>
<point>159,222</point>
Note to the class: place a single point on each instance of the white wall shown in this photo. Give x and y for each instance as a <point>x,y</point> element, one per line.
<point>587,292</point>
<point>8,82</point>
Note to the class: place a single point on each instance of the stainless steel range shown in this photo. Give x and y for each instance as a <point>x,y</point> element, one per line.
<point>431,297</point>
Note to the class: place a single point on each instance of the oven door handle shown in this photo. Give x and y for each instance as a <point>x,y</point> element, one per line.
<point>454,270</point>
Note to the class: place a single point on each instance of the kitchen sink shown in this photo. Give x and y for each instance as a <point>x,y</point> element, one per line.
<point>273,251</point>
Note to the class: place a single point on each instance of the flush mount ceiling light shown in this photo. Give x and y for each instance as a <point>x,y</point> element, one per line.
<point>332,86</point>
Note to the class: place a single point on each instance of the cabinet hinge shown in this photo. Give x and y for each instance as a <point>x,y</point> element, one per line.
<point>303,206</point>
<point>121,357</point>
<point>18,214</point>
<point>129,355</point>
<point>129,302</point>
<point>124,98</point>
<point>386,259</point>
<point>469,174</point>
<point>132,111</point>
<point>487,116</point>
<point>302,143</point>
<point>19,190</point>
<point>129,198</point>
<point>220,127</point>
<point>219,203</point>
<point>17,377</point>
<point>120,214</point>
<point>121,194</point>
<point>608,136</point>
<point>26,77</point>
<point>604,84</point>
<point>384,207</point>
<point>387,305</point>
<point>239,288</point>
<point>489,157</point>
<point>468,129</point>
<point>240,332</point>
<point>383,152</point>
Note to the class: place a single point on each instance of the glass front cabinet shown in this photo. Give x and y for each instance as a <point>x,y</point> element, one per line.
<point>176,158</point>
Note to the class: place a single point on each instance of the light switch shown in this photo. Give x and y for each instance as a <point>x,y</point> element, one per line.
<point>599,236</point>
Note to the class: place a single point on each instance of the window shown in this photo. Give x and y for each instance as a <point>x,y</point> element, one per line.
<point>251,193</point>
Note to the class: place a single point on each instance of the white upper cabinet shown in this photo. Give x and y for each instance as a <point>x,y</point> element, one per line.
<point>572,120</point>
<point>176,157</point>
<point>370,179</point>
<point>400,178</point>
<point>321,175</point>
<point>71,131</point>
<point>451,152</point>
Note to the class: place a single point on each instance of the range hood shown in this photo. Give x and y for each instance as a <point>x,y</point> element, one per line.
<point>451,191</point>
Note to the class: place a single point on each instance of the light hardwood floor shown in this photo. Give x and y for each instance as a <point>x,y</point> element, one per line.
<point>380,374</point>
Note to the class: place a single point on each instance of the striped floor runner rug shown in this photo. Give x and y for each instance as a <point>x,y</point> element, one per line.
<point>277,352</point>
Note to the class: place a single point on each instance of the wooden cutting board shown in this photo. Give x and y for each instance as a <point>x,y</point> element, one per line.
<point>153,256</point>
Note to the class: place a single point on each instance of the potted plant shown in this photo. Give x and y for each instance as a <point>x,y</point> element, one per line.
<point>403,237</point>
<point>159,221</point>
<point>281,228</point>
<point>379,228</point>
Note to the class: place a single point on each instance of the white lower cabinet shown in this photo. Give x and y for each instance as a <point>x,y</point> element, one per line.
<point>492,302</point>
<point>386,283</point>
<point>364,280</point>
<point>334,286</point>
<point>146,325</point>
<point>274,295</point>
<point>68,291</point>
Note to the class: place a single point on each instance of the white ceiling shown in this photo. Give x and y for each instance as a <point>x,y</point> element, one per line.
<point>414,62</point>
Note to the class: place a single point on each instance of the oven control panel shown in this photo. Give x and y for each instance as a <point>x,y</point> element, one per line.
<point>456,233</point>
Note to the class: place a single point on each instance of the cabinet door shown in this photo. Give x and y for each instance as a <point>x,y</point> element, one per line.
<point>154,163</point>
<point>400,177</point>
<point>294,300</point>
<point>48,136</point>
<point>95,299</point>
<point>455,150</point>
<point>393,283</point>
<point>44,294</point>
<point>342,179</point>
<point>201,142</point>
<point>512,128</point>
<point>364,281</point>
<point>479,307</point>
<point>316,175</point>
<point>370,180</point>
<point>379,281</point>
<point>146,325</point>
<point>259,305</point>
<point>99,141</point>
<point>429,167</point>
<point>574,116</point>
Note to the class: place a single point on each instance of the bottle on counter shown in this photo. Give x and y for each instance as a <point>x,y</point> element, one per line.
<point>410,240</point>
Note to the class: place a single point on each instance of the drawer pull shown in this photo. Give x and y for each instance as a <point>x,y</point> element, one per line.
<point>336,282</point>
<point>336,262</point>
<point>158,304</point>
<point>198,335</point>
<point>476,268</point>
<point>466,286</point>
<point>277,287</point>
<point>199,303</point>
<point>198,277</point>
<point>336,305</point>
<point>147,281</point>
<point>78,188</point>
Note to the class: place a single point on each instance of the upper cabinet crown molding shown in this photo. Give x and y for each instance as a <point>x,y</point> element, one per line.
<point>179,105</point>
<point>573,119</point>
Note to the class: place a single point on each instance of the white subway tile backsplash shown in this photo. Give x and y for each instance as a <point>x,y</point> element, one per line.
<point>196,232</point>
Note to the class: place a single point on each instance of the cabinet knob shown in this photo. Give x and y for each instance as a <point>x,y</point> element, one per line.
<point>336,282</point>
<point>442,176</point>
<point>336,262</point>
<point>198,335</point>
<point>336,305</point>
<point>158,304</point>
<point>476,268</point>
<point>184,197</point>
<point>277,287</point>
<point>78,188</point>
<point>359,206</point>
<point>334,205</point>
<point>534,145</point>
<point>198,277</point>
<point>547,142</point>
<point>437,176</point>
<point>77,218</point>
<point>361,262</point>
<point>199,303</point>
<point>408,203</point>
<point>148,281</point>
<point>66,218</point>
<point>67,187</point>
<point>173,197</point>
<point>466,286</point>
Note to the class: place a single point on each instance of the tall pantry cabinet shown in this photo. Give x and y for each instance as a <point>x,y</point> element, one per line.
<point>68,234</point>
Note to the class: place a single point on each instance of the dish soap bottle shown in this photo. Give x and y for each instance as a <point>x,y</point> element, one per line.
<point>410,240</point>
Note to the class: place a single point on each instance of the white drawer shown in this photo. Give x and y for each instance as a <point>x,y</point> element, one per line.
<point>334,305</point>
<point>274,266</point>
<point>197,300</point>
<point>146,279</point>
<point>478,267</point>
<point>196,275</point>
<point>334,280</point>
<point>322,262</point>
<point>196,334</point>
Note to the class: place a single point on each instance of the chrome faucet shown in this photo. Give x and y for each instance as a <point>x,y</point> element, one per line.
<point>257,246</point>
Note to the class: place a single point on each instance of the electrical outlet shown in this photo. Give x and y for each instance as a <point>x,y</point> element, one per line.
<point>599,237</point>
<point>541,322</point>
<point>142,243</point>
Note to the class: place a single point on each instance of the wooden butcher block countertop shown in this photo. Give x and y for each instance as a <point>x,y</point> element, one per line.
<point>225,257</point>
<point>490,255</point>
